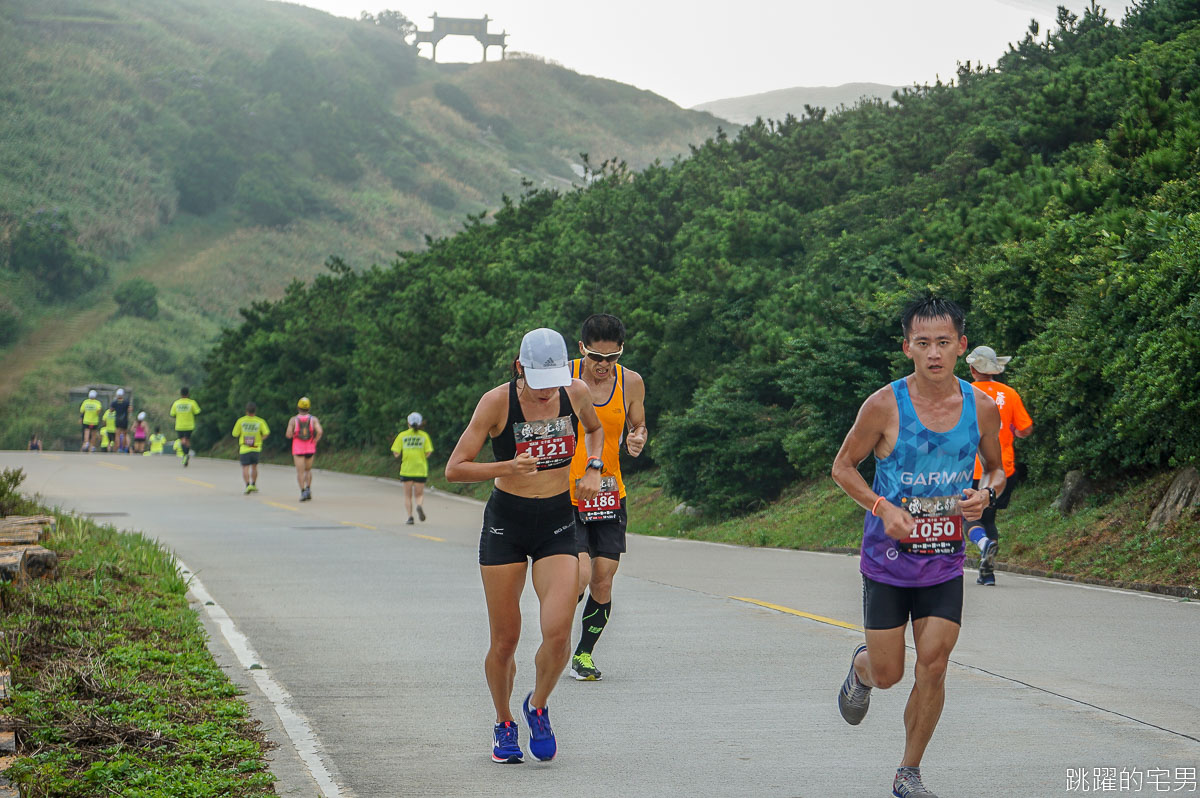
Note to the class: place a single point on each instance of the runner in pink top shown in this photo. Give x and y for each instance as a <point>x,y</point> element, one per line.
<point>305,430</point>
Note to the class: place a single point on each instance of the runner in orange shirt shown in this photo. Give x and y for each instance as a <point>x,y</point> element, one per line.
<point>618,395</point>
<point>1014,420</point>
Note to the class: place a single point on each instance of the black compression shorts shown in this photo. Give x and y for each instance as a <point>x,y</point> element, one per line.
<point>249,458</point>
<point>601,538</point>
<point>516,528</point>
<point>887,606</point>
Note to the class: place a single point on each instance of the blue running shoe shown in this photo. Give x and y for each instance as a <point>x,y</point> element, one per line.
<point>855,697</point>
<point>505,747</point>
<point>542,746</point>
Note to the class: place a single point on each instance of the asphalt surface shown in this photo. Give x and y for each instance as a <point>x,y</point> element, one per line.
<point>374,632</point>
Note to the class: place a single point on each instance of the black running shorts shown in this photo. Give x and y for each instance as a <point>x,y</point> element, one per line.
<point>601,538</point>
<point>249,458</point>
<point>413,479</point>
<point>516,528</point>
<point>887,606</point>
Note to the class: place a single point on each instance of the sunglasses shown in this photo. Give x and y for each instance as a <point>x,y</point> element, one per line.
<point>601,357</point>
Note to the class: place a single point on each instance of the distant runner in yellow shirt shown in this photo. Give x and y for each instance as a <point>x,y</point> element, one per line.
<point>250,431</point>
<point>108,430</point>
<point>184,411</point>
<point>413,446</point>
<point>89,416</point>
<point>157,442</point>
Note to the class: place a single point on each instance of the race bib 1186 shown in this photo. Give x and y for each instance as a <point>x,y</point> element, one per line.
<point>550,441</point>
<point>939,525</point>
<point>604,506</point>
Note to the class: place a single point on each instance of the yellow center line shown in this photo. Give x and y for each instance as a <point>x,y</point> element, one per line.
<point>114,466</point>
<point>790,611</point>
<point>196,482</point>
<point>281,506</point>
<point>427,537</point>
<point>360,526</point>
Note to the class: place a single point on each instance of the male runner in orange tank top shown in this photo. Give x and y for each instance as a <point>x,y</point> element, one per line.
<point>618,395</point>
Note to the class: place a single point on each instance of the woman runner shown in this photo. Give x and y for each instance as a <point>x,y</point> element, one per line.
<point>532,423</point>
<point>304,430</point>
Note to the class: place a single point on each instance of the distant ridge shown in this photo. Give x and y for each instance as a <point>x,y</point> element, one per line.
<point>781,102</point>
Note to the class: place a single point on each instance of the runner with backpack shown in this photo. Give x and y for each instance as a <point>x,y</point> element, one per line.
<point>304,430</point>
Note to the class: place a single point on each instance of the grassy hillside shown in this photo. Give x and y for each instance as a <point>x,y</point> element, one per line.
<point>781,102</point>
<point>223,148</point>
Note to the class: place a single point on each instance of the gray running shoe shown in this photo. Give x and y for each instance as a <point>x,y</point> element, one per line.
<point>421,512</point>
<point>907,784</point>
<point>987,557</point>
<point>855,697</point>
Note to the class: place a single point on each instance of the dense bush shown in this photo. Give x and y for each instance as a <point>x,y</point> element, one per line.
<point>137,297</point>
<point>1055,197</point>
<point>10,321</point>
<point>44,245</point>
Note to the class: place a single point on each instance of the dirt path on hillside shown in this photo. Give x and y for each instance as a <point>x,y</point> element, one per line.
<point>50,339</point>
<point>171,253</point>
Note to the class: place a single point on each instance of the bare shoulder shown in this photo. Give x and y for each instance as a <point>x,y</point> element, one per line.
<point>579,392</point>
<point>633,380</point>
<point>880,406</point>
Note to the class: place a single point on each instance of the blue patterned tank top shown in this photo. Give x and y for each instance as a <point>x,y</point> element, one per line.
<point>926,473</point>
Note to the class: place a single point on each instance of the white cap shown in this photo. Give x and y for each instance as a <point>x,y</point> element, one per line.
<point>414,419</point>
<point>985,360</point>
<point>120,392</point>
<point>92,394</point>
<point>544,358</point>
<point>142,416</point>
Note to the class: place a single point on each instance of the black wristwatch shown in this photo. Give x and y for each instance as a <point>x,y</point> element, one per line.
<point>991,495</point>
<point>596,463</point>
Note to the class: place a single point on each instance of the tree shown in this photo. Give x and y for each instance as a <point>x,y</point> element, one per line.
<point>391,20</point>
<point>45,246</point>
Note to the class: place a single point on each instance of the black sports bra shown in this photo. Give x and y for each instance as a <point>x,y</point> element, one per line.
<point>553,438</point>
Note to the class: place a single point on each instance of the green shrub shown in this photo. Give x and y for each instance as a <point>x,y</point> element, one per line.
<point>10,321</point>
<point>268,194</point>
<point>137,297</point>
<point>10,500</point>
<point>725,452</point>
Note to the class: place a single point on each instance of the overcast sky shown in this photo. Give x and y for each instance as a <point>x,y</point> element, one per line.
<point>703,50</point>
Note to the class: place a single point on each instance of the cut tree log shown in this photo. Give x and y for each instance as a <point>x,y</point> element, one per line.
<point>21,536</point>
<point>19,563</point>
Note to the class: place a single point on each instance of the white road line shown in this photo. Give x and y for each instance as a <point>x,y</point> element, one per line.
<point>298,731</point>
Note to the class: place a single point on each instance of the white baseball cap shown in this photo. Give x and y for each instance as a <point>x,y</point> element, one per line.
<point>120,392</point>
<point>142,416</point>
<point>92,394</point>
<point>414,419</point>
<point>544,358</point>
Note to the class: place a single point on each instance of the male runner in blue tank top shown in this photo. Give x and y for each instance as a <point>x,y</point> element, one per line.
<point>924,430</point>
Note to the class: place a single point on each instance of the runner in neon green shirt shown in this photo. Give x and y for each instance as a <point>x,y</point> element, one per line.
<point>250,431</point>
<point>413,447</point>
<point>184,411</point>
<point>157,441</point>
<point>108,433</point>
<point>89,417</point>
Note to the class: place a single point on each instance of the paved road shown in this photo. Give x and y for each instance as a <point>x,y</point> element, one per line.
<point>377,630</point>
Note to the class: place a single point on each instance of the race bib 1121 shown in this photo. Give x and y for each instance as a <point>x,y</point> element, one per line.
<point>550,441</point>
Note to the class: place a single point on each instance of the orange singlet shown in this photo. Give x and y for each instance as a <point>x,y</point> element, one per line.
<point>612,419</point>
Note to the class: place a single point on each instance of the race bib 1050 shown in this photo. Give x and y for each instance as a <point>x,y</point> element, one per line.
<point>939,525</point>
